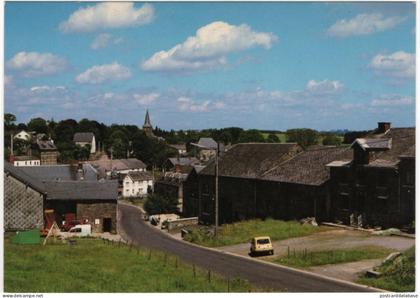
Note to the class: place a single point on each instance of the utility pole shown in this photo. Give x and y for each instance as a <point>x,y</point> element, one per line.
<point>217,191</point>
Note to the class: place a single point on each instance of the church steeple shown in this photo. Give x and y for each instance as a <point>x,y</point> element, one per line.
<point>147,120</point>
<point>147,127</point>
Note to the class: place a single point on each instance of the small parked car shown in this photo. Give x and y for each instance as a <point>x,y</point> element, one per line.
<point>261,245</point>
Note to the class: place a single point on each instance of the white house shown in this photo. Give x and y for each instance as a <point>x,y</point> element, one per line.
<point>26,161</point>
<point>136,184</point>
<point>181,148</point>
<point>84,139</point>
<point>23,135</point>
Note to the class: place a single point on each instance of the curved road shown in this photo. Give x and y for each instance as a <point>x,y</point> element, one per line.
<point>259,273</point>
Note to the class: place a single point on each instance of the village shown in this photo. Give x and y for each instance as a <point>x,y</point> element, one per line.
<point>347,191</point>
<point>209,147</point>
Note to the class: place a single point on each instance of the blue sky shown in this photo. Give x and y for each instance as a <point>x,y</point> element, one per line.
<point>211,65</point>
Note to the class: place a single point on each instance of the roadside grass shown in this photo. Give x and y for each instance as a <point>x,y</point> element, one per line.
<point>139,202</point>
<point>397,276</point>
<point>92,265</point>
<point>242,232</point>
<point>304,258</point>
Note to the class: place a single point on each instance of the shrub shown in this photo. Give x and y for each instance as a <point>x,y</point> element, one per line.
<point>157,204</point>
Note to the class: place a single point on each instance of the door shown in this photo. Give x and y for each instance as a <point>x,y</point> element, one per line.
<point>107,224</point>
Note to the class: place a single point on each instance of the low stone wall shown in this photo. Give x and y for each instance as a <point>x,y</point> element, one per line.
<point>178,224</point>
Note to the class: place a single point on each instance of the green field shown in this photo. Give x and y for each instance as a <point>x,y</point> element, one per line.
<point>305,258</point>
<point>398,276</point>
<point>281,136</point>
<point>95,266</point>
<point>242,232</point>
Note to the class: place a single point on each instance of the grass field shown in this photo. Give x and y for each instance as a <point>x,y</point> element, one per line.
<point>302,259</point>
<point>281,136</point>
<point>94,266</point>
<point>243,231</point>
<point>398,276</point>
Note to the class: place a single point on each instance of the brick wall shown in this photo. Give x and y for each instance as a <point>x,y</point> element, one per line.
<point>23,206</point>
<point>49,158</point>
<point>95,212</point>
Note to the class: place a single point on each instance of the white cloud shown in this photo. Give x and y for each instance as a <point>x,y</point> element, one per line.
<point>399,64</point>
<point>392,100</point>
<point>324,87</point>
<point>363,24</point>
<point>104,73</point>
<point>107,15</point>
<point>187,104</point>
<point>351,106</point>
<point>34,64</point>
<point>146,99</point>
<point>208,48</point>
<point>103,40</point>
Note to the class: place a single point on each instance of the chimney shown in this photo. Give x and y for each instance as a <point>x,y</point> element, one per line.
<point>80,172</point>
<point>383,127</point>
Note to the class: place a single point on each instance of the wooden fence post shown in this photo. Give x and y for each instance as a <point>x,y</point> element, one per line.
<point>194,273</point>
<point>209,276</point>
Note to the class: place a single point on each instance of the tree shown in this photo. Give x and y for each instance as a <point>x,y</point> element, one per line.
<point>9,120</point>
<point>273,138</point>
<point>158,204</point>
<point>303,136</point>
<point>251,136</point>
<point>39,125</point>
<point>331,140</point>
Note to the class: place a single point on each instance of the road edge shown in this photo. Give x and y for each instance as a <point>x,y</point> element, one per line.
<point>261,261</point>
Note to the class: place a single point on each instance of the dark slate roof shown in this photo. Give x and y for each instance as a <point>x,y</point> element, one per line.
<point>82,190</point>
<point>60,172</point>
<point>140,176</point>
<point>83,137</point>
<point>46,145</point>
<point>250,160</point>
<point>25,157</point>
<point>208,143</point>
<point>308,167</point>
<point>23,177</point>
<point>107,164</point>
<point>183,161</point>
<point>178,146</point>
<point>403,144</point>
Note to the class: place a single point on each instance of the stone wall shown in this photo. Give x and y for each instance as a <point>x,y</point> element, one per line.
<point>96,211</point>
<point>23,206</point>
<point>178,224</point>
<point>49,158</point>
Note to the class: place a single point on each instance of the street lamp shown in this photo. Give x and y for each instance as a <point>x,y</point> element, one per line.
<point>216,203</point>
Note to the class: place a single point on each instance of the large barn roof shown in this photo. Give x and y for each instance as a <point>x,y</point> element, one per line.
<point>82,190</point>
<point>250,160</point>
<point>83,137</point>
<point>308,167</point>
<point>60,172</point>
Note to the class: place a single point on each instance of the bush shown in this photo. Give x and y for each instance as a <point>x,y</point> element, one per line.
<point>158,204</point>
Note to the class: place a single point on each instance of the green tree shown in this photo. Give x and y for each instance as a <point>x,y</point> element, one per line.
<point>303,136</point>
<point>9,120</point>
<point>251,136</point>
<point>39,125</point>
<point>158,204</point>
<point>273,138</point>
<point>331,140</point>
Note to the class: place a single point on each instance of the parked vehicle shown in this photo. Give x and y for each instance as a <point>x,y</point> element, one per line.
<point>81,230</point>
<point>261,245</point>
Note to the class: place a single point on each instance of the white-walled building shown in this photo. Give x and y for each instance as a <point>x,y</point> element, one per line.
<point>137,184</point>
<point>23,135</point>
<point>84,139</point>
<point>26,161</point>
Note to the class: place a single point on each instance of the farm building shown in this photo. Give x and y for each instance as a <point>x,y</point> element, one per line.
<point>376,186</point>
<point>239,169</point>
<point>107,167</point>
<point>137,184</point>
<point>28,194</point>
<point>85,139</point>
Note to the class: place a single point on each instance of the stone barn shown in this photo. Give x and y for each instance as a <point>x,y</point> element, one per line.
<point>27,195</point>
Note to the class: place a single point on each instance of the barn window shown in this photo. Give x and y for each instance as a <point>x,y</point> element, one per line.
<point>343,201</point>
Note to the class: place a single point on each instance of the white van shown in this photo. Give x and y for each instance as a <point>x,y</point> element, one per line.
<point>81,230</point>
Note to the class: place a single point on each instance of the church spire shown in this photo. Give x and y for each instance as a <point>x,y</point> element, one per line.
<point>147,120</point>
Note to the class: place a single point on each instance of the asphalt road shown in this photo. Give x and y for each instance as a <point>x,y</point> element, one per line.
<point>262,275</point>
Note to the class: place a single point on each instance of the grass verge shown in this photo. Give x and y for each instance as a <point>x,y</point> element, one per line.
<point>241,232</point>
<point>397,276</point>
<point>95,266</point>
<point>303,259</point>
